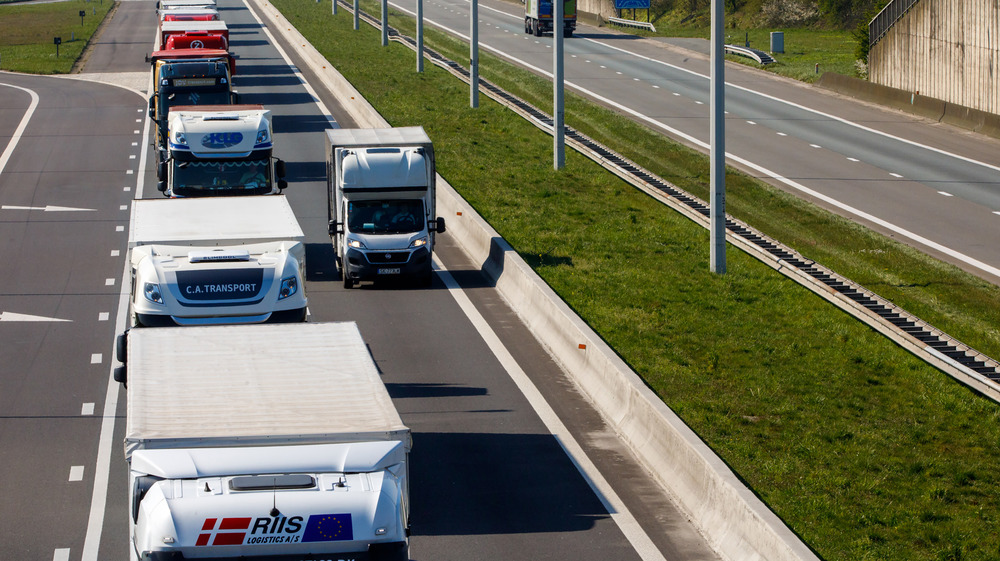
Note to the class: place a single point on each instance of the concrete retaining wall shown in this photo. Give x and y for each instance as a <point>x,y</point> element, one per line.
<point>912,102</point>
<point>945,49</point>
<point>735,522</point>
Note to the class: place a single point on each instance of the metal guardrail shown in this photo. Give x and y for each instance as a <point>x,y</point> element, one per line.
<point>760,56</point>
<point>632,23</point>
<point>963,363</point>
<point>885,19</point>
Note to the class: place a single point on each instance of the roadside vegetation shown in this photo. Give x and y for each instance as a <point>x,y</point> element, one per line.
<point>865,451</point>
<point>27,32</point>
<point>832,34</point>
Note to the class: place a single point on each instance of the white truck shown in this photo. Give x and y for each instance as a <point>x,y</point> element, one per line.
<point>380,190</point>
<point>218,150</point>
<point>238,447</point>
<point>216,260</point>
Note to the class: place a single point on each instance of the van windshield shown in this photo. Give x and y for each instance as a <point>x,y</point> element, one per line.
<point>385,217</point>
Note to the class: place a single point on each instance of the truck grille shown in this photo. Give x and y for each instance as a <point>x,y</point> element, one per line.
<point>380,257</point>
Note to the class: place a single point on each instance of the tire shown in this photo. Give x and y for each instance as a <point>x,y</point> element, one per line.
<point>568,32</point>
<point>527,26</point>
<point>348,282</point>
<point>536,28</point>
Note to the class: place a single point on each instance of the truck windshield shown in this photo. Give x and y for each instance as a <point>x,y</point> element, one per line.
<point>385,217</point>
<point>221,177</point>
<point>197,97</point>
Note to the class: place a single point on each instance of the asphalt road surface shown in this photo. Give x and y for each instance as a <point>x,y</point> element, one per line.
<point>928,185</point>
<point>491,480</point>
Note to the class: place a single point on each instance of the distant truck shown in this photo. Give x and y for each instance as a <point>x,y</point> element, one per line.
<point>538,17</point>
<point>380,190</point>
<point>171,4</point>
<point>189,14</point>
<point>220,150</point>
<point>188,77</point>
<point>218,260</point>
<point>168,28</point>
<point>196,40</point>
<point>262,442</point>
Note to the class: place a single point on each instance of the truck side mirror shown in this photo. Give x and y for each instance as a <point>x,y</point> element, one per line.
<point>152,108</point>
<point>440,225</point>
<point>121,347</point>
<point>121,375</point>
<point>161,171</point>
<point>161,186</point>
<point>282,184</point>
<point>279,168</point>
<point>234,98</point>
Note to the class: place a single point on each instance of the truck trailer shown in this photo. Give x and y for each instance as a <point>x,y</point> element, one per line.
<point>538,17</point>
<point>217,260</point>
<point>219,150</point>
<point>262,442</point>
<point>380,191</point>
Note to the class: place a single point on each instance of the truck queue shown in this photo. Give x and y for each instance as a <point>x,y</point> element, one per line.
<point>239,447</point>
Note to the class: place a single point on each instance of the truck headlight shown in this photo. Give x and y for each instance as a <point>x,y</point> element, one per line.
<point>180,138</point>
<point>289,286</point>
<point>262,136</point>
<point>152,292</point>
<point>419,242</point>
<point>356,244</point>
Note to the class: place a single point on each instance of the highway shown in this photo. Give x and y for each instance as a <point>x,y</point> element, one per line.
<point>492,476</point>
<point>928,185</point>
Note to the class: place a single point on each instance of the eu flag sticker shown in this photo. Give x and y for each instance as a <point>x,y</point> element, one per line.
<point>328,528</point>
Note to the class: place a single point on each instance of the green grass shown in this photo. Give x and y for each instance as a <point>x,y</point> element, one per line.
<point>831,49</point>
<point>865,451</point>
<point>26,33</point>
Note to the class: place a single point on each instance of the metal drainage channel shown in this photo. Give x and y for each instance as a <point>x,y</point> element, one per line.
<point>950,355</point>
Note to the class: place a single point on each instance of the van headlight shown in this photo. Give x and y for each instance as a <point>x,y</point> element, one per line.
<point>152,292</point>
<point>356,244</point>
<point>289,287</point>
<point>419,242</point>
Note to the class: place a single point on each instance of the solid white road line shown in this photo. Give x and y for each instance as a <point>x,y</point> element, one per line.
<point>16,137</point>
<point>616,508</point>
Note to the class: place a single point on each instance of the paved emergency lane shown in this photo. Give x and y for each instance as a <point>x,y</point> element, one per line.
<point>63,213</point>
<point>928,185</point>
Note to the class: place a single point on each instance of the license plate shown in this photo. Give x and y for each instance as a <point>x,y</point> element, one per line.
<point>389,271</point>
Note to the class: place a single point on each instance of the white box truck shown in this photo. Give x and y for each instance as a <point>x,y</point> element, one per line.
<point>219,150</point>
<point>380,190</point>
<point>216,260</point>
<point>262,442</point>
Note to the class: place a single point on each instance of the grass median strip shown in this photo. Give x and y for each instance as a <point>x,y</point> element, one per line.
<point>865,451</point>
<point>27,32</point>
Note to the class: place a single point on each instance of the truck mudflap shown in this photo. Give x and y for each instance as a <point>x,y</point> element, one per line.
<point>396,551</point>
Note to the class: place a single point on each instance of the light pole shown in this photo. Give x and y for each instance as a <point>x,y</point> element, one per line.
<point>717,154</point>
<point>558,107</point>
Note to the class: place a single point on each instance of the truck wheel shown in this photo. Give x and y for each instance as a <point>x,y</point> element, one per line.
<point>536,28</point>
<point>568,32</point>
<point>527,26</point>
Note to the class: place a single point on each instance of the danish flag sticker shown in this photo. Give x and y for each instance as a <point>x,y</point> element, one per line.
<point>227,531</point>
